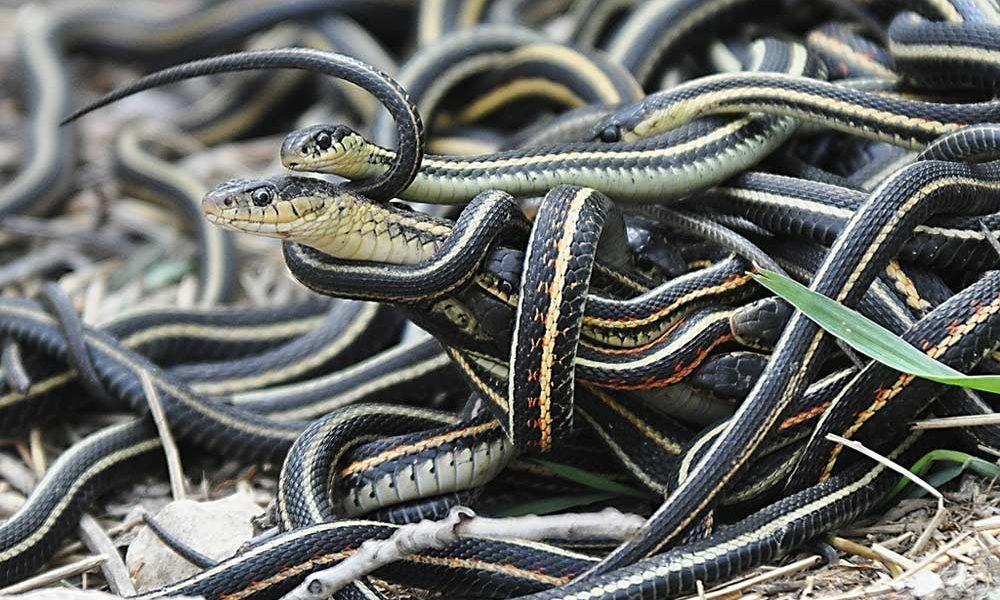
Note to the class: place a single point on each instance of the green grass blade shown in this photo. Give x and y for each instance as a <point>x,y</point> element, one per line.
<point>868,337</point>
<point>591,480</point>
<point>962,461</point>
<point>938,479</point>
<point>553,504</point>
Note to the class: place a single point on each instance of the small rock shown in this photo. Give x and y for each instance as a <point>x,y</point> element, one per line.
<point>925,584</point>
<point>215,528</point>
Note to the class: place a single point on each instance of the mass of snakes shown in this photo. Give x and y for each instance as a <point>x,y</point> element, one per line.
<point>528,239</point>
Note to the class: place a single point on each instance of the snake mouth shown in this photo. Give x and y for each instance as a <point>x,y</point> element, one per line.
<point>241,223</point>
<point>212,211</point>
<point>229,209</point>
<point>281,207</point>
<point>317,164</point>
<point>277,220</point>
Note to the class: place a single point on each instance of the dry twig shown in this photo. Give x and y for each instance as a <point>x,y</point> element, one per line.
<point>425,535</point>
<point>98,541</point>
<point>174,468</point>
<point>54,575</point>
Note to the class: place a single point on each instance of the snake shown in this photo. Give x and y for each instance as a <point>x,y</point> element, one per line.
<point>649,170</point>
<point>542,295</point>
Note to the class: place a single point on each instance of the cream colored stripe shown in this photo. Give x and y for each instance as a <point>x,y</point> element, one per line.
<point>265,378</point>
<point>684,338</point>
<point>550,323</point>
<point>588,155</point>
<point>225,332</point>
<point>948,52</point>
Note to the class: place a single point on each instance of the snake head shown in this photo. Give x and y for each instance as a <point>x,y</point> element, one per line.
<point>622,125</point>
<point>274,207</point>
<point>336,149</point>
<point>322,215</point>
<point>608,133</point>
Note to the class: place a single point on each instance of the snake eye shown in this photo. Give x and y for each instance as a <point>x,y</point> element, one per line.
<point>262,196</point>
<point>323,140</point>
<point>611,134</point>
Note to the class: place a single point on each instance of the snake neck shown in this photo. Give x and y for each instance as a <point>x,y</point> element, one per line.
<point>376,233</point>
<point>360,159</point>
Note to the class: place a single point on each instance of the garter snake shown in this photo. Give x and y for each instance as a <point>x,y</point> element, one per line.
<point>409,127</point>
<point>556,196</point>
<point>143,166</point>
<point>439,18</point>
<point>239,351</point>
<point>432,72</point>
<point>976,143</point>
<point>240,106</point>
<point>403,374</point>
<point>376,462</point>
<point>525,568</point>
<point>551,302</point>
<point>88,468</point>
<point>75,480</point>
<point>239,200</point>
<point>332,345</point>
<point>662,167</point>
<point>97,463</point>
<point>680,160</point>
<point>595,19</point>
<point>907,123</point>
<point>849,54</point>
<point>343,34</point>
<point>206,422</point>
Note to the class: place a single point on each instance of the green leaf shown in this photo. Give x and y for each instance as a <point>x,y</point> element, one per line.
<point>938,479</point>
<point>591,480</point>
<point>962,460</point>
<point>976,464</point>
<point>868,337</point>
<point>553,504</point>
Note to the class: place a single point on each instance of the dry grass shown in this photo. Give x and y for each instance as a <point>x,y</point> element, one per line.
<point>962,560</point>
